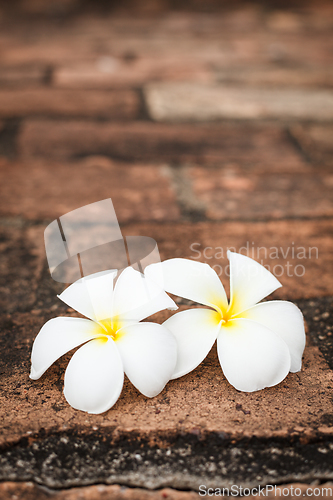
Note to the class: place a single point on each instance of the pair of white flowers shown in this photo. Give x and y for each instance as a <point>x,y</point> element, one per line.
<point>258,344</point>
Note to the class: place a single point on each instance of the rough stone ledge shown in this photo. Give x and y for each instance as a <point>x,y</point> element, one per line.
<point>184,462</point>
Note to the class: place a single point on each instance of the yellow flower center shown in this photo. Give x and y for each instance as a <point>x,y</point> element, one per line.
<point>223,315</point>
<point>226,316</point>
<point>109,328</point>
<point>222,312</point>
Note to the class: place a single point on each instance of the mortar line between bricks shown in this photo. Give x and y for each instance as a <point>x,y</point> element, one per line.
<point>203,219</point>
<point>296,144</point>
<point>143,111</point>
<point>18,222</point>
<point>190,206</point>
<point>9,136</point>
<point>143,116</point>
<point>48,75</point>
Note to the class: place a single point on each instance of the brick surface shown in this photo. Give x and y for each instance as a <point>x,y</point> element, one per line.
<point>190,102</point>
<point>138,192</point>
<point>114,72</point>
<point>253,145</point>
<point>14,76</point>
<point>22,262</point>
<point>308,48</point>
<point>133,411</point>
<point>316,142</point>
<point>299,20</point>
<point>235,193</point>
<point>32,405</point>
<point>37,7</point>
<point>113,105</point>
<point>196,39</point>
<point>231,36</point>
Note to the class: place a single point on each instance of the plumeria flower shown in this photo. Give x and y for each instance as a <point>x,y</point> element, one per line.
<point>257,344</point>
<point>113,341</point>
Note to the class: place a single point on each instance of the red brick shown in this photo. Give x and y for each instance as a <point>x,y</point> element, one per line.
<point>38,7</point>
<point>231,36</point>
<point>218,144</point>
<point>319,17</point>
<point>310,17</point>
<point>312,48</point>
<point>15,76</point>
<point>44,49</point>
<point>22,262</point>
<point>187,42</point>
<point>284,21</point>
<point>276,76</point>
<point>283,408</point>
<point>193,102</point>
<point>112,72</point>
<point>46,190</point>
<point>234,193</point>
<point>114,105</point>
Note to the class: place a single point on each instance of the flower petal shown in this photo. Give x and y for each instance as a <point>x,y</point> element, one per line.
<point>58,336</point>
<point>94,377</point>
<point>195,331</point>
<point>149,355</point>
<point>190,279</point>
<point>286,320</point>
<point>249,282</point>
<point>252,357</point>
<point>137,297</point>
<point>91,295</point>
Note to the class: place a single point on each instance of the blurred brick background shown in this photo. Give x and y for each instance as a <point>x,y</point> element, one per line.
<point>207,122</point>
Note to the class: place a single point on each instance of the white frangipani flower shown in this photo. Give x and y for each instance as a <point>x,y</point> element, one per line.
<point>114,340</point>
<point>257,344</point>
